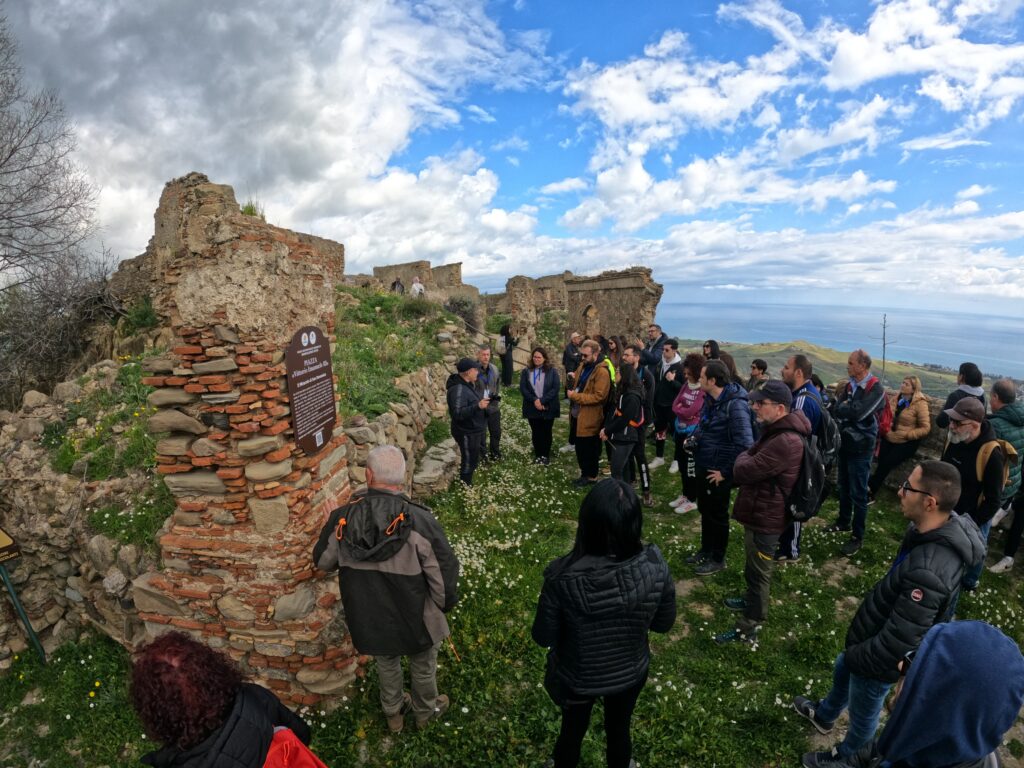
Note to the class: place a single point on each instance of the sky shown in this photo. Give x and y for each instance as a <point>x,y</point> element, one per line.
<point>804,152</point>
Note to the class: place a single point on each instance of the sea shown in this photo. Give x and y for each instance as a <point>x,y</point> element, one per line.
<point>923,337</point>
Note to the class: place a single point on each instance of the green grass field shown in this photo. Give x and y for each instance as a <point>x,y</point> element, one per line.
<point>704,705</point>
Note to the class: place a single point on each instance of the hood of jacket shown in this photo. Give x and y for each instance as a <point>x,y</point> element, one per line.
<point>732,391</point>
<point>378,529</point>
<point>976,391</point>
<point>960,534</point>
<point>962,693</point>
<point>454,379</point>
<point>599,586</point>
<point>1012,414</point>
<point>795,421</point>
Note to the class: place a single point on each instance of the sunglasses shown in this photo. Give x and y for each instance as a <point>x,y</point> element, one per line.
<point>908,488</point>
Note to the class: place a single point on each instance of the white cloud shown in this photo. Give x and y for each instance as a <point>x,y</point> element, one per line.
<point>480,114</point>
<point>975,190</point>
<point>672,42</point>
<point>515,143</point>
<point>966,207</point>
<point>572,184</point>
<point>859,124</point>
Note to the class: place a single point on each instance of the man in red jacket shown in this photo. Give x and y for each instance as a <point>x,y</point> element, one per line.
<point>765,474</point>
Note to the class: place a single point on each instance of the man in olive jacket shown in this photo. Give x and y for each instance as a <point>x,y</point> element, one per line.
<point>398,577</point>
<point>765,474</point>
<point>915,594</point>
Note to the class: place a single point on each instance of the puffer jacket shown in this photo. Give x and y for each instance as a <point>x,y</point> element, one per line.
<point>397,572</point>
<point>1008,422</point>
<point>467,417</point>
<point>766,473</point>
<point>856,414</point>
<point>594,615</point>
<point>869,757</point>
<point>725,430</point>
<point>592,399</point>
<point>619,424</point>
<point>244,738</point>
<point>914,595</point>
<point>912,422</point>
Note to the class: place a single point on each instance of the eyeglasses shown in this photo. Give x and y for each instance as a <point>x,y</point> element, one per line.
<point>908,488</point>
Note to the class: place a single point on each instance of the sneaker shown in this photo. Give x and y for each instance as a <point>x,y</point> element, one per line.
<point>396,722</point>
<point>674,468</point>
<point>698,558</point>
<point>871,500</point>
<point>538,460</point>
<point>1002,566</point>
<point>545,461</point>
<point>658,461</point>
<point>852,546</point>
<point>709,567</point>
<point>998,517</point>
<point>782,557</point>
<point>686,506</point>
<point>441,704</point>
<point>735,636</point>
<point>678,500</point>
<point>606,471</point>
<point>805,708</point>
<point>837,528</point>
<point>735,603</point>
<point>830,759</point>
<point>567,449</point>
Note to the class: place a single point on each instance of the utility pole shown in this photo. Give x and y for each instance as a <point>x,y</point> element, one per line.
<point>885,344</point>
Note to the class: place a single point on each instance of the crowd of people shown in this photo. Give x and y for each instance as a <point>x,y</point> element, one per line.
<point>959,684</point>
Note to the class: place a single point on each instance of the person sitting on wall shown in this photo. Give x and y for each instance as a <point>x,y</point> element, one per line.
<point>417,289</point>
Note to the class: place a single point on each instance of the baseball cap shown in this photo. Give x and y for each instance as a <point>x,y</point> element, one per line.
<point>967,409</point>
<point>776,391</point>
<point>465,364</point>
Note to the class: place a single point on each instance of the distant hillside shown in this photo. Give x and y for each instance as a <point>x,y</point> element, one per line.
<point>830,364</point>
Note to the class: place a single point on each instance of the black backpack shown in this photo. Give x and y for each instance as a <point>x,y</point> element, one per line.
<point>827,436</point>
<point>809,490</point>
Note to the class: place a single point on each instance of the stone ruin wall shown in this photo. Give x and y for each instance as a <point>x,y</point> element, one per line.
<point>442,282</point>
<point>235,565</point>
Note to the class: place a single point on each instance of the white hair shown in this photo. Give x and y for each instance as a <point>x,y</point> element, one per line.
<point>387,463</point>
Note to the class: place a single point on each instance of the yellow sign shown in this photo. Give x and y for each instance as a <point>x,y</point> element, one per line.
<point>8,548</point>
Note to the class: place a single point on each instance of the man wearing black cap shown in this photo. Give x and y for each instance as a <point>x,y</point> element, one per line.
<point>765,474</point>
<point>468,412</point>
<point>973,450</point>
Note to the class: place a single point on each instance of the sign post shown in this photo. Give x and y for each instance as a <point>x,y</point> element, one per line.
<point>311,388</point>
<point>9,550</point>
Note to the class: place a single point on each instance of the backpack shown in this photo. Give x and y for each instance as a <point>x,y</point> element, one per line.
<point>500,347</point>
<point>287,751</point>
<point>1010,457</point>
<point>804,501</point>
<point>829,438</point>
<point>885,417</point>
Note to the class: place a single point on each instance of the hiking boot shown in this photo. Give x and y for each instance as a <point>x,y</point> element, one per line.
<point>396,722</point>
<point>805,708</point>
<point>830,759</point>
<point>441,705</point>
<point>658,462</point>
<point>709,567</point>
<point>735,603</point>
<point>735,636</point>
<point>673,468</point>
<point>837,528</point>
<point>1002,566</point>
<point>698,558</point>
<point>852,546</point>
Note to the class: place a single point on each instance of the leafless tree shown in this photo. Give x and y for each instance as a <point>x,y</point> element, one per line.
<point>46,202</point>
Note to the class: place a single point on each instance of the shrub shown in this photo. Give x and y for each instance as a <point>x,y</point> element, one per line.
<point>140,317</point>
<point>463,308</point>
<point>254,208</point>
<point>494,323</point>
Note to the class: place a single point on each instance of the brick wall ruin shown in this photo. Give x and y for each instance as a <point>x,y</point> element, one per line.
<point>442,282</point>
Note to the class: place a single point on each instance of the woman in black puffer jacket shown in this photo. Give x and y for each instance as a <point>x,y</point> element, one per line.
<point>596,607</point>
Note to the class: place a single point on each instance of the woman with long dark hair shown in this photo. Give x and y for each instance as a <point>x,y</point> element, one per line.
<point>539,385</point>
<point>508,343</point>
<point>596,607</point>
<point>194,701</point>
<point>622,427</point>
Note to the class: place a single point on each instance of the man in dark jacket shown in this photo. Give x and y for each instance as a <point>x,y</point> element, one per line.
<point>571,357</point>
<point>653,351</point>
<point>1007,420</point>
<point>765,474</point>
<point>398,578</point>
<point>468,412</point>
<point>668,380</point>
<point>724,432</point>
<point>917,592</point>
<point>969,384</point>
<point>488,384</point>
<point>855,409</point>
<point>980,492</point>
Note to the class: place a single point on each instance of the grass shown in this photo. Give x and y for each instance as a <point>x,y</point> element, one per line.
<point>382,336</point>
<point>138,521</point>
<point>704,705</point>
<point>140,317</point>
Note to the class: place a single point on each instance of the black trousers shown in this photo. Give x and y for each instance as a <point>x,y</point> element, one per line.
<point>588,455</point>
<point>492,428</point>
<point>540,431</point>
<point>572,430</point>
<point>687,470</point>
<point>713,505</point>
<point>618,712</point>
<point>469,448</point>
<point>623,457</point>
<point>664,418</point>
<point>890,456</point>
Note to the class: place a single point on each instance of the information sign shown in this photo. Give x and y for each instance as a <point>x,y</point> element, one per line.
<point>311,388</point>
<point>8,547</point>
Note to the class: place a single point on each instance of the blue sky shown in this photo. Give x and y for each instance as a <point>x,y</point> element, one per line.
<point>791,152</point>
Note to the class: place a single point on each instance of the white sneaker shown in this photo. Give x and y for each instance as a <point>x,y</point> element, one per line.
<point>567,448</point>
<point>1000,514</point>
<point>1002,566</point>
<point>658,461</point>
<point>674,468</point>
<point>677,501</point>
<point>686,506</point>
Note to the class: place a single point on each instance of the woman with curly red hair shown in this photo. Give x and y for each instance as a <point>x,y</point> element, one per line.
<point>194,701</point>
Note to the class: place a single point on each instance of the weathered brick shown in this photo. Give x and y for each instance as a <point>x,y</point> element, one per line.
<point>279,455</point>
<point>276,429</point>
<point>195,388</point>
<point>188,350</point>
<point>175,381</point>
<point>170,469</point>
<point>212,379</point>
<point>231,473</point>
<point>153,381</point>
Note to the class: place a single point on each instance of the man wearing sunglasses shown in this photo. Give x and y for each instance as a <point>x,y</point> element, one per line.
<point>917,592</point>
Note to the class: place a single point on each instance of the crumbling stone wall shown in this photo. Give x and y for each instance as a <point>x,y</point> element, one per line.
<point>442,283</point>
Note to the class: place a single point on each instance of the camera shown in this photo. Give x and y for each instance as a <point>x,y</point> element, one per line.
<point>690,443</point>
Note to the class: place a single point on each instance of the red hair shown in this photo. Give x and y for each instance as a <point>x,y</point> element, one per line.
<point>182,690</point>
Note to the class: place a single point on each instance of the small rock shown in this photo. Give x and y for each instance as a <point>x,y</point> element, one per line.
<point>234,609</point>
<point>168,396</point>
<point>269,515</point>
<point>296,605</point>
<point>195,484</point>
<point>220,365</point>
<point>225,334</point>
<point>115,582</point>
<point>33,399</point>
<point>175,445</point>
<point>265,471</point>
<point>172,420</point>
<point>257,446</point>
<point>206,447</point>
<point>66,390</point>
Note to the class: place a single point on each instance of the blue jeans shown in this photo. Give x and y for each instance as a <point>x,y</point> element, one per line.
<point>864,698</point>
<point>973,574</point>
<point>854,471</point>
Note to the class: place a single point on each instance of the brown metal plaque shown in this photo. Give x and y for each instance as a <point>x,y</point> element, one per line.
<point>9,549</point>
<point>311,388</point>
